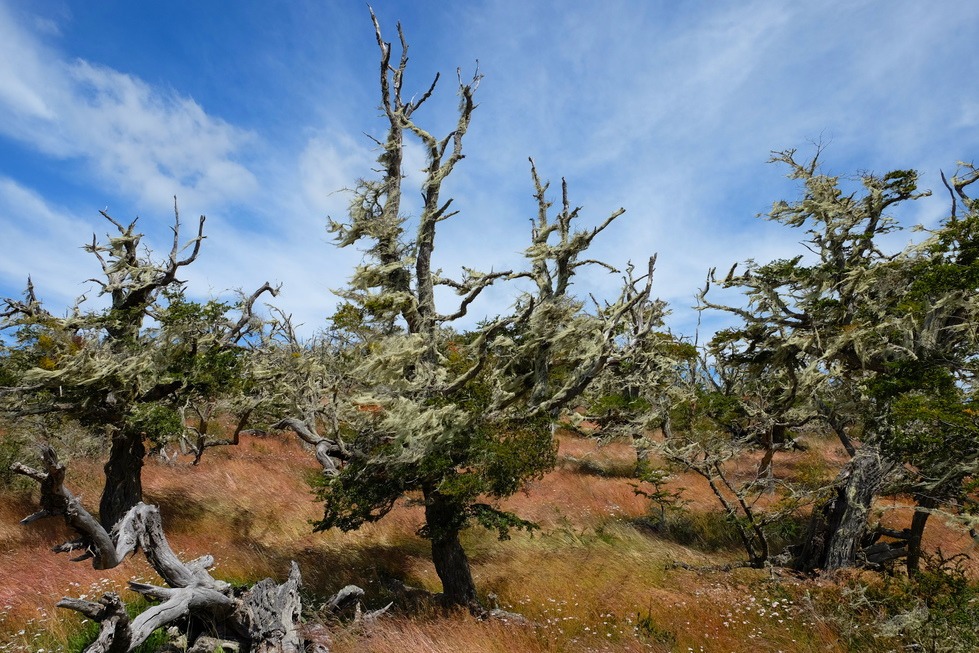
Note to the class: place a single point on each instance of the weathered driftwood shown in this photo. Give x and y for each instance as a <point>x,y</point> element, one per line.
<point>349,595</point>
<point>328,452</point>
<point>57,500</point>
<point>206,644</point>
<point>115,633</point>
<point>269,615</point>
<point>496,612</point>
<point>264,619</point>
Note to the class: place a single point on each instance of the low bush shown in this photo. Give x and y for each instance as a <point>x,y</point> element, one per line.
<point>937,609</point>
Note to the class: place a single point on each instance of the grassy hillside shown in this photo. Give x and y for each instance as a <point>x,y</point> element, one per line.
<point>595,577</point>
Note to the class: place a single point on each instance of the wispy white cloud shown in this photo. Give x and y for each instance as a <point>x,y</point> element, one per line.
<point>150,143</point>
<point>45,242</point>
<point>667,109</point>
<point>21,68</point>
<point>143,145</point>
<point>671,112</point>
<point>327,166</point>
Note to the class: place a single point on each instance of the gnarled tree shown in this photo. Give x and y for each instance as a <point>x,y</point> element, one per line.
<point>114,374</point>
<point>880,346</point>
<point>454,417</point>
<point>264,618</point>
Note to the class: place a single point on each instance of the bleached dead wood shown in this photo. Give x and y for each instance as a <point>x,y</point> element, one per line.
<point>264,619</point>
<point>270,615</point>
<point>328,452</point>
<point>348,596</point>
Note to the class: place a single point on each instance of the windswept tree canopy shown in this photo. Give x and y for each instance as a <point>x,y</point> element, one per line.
<point>125,371</point>
<point>461,417</point>
<point>878,345</point>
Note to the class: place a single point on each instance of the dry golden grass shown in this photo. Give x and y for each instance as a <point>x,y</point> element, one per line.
<point>611,591</point>
<point>588,580</point>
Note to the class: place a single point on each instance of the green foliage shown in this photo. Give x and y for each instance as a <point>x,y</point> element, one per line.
<point>637,391</point>
<point>880,346</point>
<point>709,531</point>
<point>15,447</point>
<point>158,422</point>
<point>726,411</point>
<point>79,639</point>
<point>82,637</point>
<point>464,419</point>
<point>499,520</point>
<point>193,349</point>
<point>936,609</point>
<point>612,406</point>
<point>664,500</point>
<point>601,467</point>
<point>351,502</point>
<point>488,459</point>
<point>124,371</point>
<point>714,531</point>
<point>8,367</point>
<point>459,417</point>
<point>106,370</point>
<point>517,452</point>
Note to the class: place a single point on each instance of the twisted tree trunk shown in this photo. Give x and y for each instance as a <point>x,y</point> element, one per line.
<point>443,520</point>
<point>838,528</point>
<point>123,477</point>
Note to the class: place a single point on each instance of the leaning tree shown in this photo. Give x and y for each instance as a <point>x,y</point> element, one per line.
<point>459,419</point>
<point>879,346</point>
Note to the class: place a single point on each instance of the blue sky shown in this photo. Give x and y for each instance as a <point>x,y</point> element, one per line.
<point>254,113</point>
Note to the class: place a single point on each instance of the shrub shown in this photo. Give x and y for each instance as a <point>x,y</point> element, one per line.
<point>937,609</point>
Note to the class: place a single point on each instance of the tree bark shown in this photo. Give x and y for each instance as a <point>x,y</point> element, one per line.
<point>115,635</point>
<point>918,522</point>
<point>443,519</point>
<point>452,567</point>
<point>837,528</point>
<point>265,618</point>
<point>271,615</point>
<point>866,477</point>
<point>123,478</point>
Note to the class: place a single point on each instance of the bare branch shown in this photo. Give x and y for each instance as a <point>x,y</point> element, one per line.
<point>243,326</point>
<point>326,450</point>
<point>472,287</point>
<point>56,499</point>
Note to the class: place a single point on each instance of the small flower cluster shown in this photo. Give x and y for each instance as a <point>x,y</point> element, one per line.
<point>764,616</point>
<point>26,638</point>
<point>36,635</point>
<point>563,620</point>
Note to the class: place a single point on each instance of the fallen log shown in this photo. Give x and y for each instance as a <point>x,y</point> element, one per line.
<point>263,619</point>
